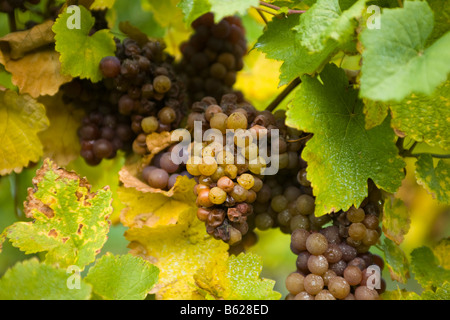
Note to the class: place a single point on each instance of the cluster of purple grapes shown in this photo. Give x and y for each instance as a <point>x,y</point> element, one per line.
<point>212,56</point>
<point>103,130</point>
<point>147,87</point>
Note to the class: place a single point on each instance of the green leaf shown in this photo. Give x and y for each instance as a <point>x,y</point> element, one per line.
<point>122,277</point>
<point>325,21</point>
<point>441,293</point>
<point>192,9</point>
<point>441,10</point>
<point>441,251</point>
<point>342,155</point>
<point>396,221</point>
<point>21,119</point>
<point>243,273</point>
<point>396,261</point>
<point>375,112</point>
<point>436,179</point>
<point>281,42</point>
<point>425,118</point>
<point>396,61</point>
<point>426,268</point>
<point>222,8</point>
<point>81,53</point>
<point>400,295</point>
<point>31,280</point>
<point>70,222</point>
<point>102,4</point>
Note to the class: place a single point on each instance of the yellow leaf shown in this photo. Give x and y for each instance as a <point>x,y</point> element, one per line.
<point>60,140</point>
<point>21,118</point>
<point>167,233</point>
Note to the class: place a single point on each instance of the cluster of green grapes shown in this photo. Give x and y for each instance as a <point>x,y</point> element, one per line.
<point>334,261</point>
<point>212,56</point>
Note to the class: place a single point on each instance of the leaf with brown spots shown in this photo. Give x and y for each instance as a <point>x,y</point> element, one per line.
<point>70,222</point>
<point>396,221</point>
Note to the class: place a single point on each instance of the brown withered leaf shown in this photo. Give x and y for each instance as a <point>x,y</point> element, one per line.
<point>21,42</point>
<point>182,190</point>
<point>32,60</point>
<point>37,73</point>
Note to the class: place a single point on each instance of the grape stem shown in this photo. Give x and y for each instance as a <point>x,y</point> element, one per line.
<point>12,21</point>
<point>408,153</point>
<point>261,14</point>
<point>274,7</point>
<point>274,104</point>
<point>434,155</point>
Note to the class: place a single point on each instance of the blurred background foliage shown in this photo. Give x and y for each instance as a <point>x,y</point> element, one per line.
<point>430,221</point>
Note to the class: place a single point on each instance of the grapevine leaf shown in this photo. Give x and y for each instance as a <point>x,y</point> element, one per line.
<point>102,4</point>
<point>192,9</point>
<point>122,277</point>
<point>37,73</point>
<point>167,233</point>
<point>34,67</point>
<point>441,11</point>
<point>426,268</point>
<point>18,44</point>
<point>400,295</point>
<point>182,189</point>
<point>425,118</point>
<point>396,62</point>
<point>396,261</point>
<point>441,251</point>
<point>70,222</point>
<point>21,118</point>
<point>237,279</point>
<point>396,220</point>
<point>342,155</point>
<point>375,112</point>
<point>81,53</point>
<point>31,280</point>
<point>222,8</point>
<point>280,42</point>
<point>441,293</point>
<point>60,140</point>
<point>325,21</point>
<point>434,179</point>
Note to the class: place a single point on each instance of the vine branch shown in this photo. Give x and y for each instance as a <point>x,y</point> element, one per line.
<point>274,7</point>
<point>12,21</point>
<point>274,104</point>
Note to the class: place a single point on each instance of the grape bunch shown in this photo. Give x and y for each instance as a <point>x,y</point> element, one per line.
<point>8,6</point>
<point>147,88</point>
<point>103,131</point>
<point>212,56</point>
<point>232,192</point>
<point>330,269</point>
<point>360,227</point>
